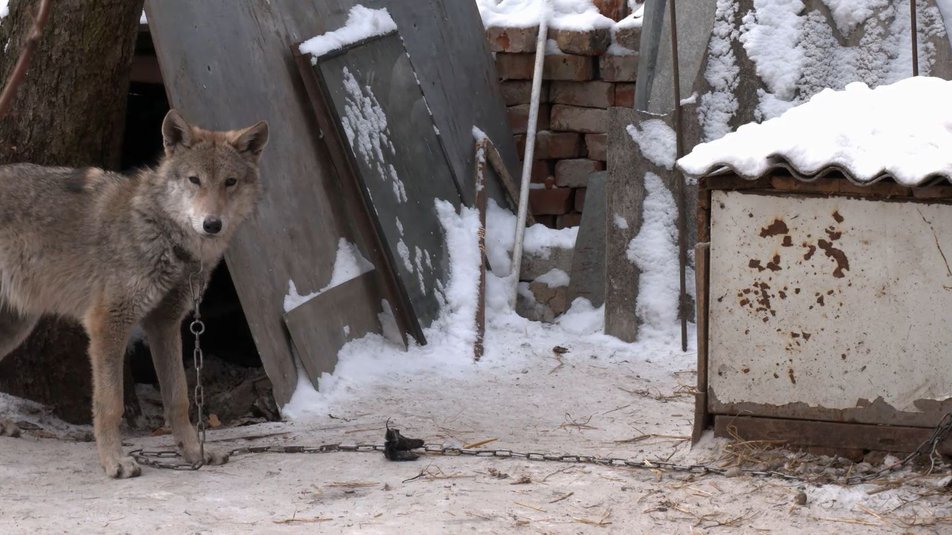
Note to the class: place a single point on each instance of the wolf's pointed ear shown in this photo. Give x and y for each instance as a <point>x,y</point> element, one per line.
<point>175,132</point>
<point>252,140</point>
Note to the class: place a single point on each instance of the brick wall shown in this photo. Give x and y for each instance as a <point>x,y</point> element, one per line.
<point>584,74</point>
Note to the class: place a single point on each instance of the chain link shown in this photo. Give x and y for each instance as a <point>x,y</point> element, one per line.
<point>197,328</point>
<point>154,459</point>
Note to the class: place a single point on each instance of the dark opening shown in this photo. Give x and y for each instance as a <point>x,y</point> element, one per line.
<point>237,390</point>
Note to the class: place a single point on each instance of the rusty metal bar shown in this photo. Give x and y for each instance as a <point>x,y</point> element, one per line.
<point>915,37</point>
<point>679,180</point>
<point>482,148</point>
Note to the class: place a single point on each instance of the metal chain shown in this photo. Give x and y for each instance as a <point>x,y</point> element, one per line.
<point>197,328</point>
<point>929,446</point>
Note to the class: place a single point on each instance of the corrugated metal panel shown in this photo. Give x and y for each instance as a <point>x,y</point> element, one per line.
<point>820,305</point>
<point>777,162</point>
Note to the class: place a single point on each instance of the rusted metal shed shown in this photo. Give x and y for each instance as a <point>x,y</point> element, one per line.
<point>825,288</point>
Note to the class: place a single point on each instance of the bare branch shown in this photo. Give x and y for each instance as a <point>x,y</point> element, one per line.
<point>23,62</point>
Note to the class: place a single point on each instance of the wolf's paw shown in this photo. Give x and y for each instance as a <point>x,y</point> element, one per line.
<point>215,458</point>
<point>212,457</point>
<point>9,429</point>
<point>122,468</point>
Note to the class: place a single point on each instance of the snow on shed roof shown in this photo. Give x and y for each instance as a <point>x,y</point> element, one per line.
<point>901,131</point>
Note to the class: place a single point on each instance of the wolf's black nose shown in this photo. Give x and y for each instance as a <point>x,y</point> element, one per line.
<point>212,225</point>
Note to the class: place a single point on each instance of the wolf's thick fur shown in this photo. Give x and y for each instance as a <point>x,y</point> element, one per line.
<point>113,251</point>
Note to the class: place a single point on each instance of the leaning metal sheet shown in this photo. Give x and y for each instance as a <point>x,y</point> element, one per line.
<point>828,303</point>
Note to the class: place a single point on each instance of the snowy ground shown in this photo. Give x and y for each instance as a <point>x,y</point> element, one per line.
<point>599,398</point>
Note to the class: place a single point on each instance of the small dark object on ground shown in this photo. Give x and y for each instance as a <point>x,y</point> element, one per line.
<point>397,447</point>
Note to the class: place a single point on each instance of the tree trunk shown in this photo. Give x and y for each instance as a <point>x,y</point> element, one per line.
<point>69,111</point>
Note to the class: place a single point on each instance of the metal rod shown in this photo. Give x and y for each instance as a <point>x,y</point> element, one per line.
<point>679,182</point>
<point>529,154</point>
<point>915,38</point>
<point>481,150</point>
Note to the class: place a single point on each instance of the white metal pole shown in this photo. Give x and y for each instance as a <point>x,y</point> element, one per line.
<point>529,153</point>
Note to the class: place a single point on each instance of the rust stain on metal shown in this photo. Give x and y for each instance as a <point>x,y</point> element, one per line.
<point>755,264</point>
<point>787,241</point>
<point>834,234</point>
<point>810,250</point>
<point>776,228</point>
<point>837,216</point>
<point>819,300</point>
<point>793,378</point>
<point>842,262</point>
<point>774,264</point>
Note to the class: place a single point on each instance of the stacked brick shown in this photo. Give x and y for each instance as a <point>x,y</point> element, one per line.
<point>585,73</point>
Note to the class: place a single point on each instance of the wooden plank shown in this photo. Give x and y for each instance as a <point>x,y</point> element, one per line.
<point>226,65</point>
<point>447,45</point>
<point>816,434</point>
<point>625,194</point>
<point>342,314</point>
<point>702,419</point>
<point>400,164</point>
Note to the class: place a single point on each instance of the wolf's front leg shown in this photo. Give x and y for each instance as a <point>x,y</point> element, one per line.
<point>108,331</point>
<point>165,342</point>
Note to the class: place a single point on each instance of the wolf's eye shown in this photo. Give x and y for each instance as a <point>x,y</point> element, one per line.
<point>229,182</point>
<point>195,180</point>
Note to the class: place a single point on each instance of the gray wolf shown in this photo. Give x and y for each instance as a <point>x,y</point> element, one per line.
<point>115,251</point>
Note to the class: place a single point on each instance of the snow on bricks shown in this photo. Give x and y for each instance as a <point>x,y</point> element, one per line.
<point>590,65</point>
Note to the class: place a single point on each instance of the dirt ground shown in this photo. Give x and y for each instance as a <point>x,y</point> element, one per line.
<point>595,399</point>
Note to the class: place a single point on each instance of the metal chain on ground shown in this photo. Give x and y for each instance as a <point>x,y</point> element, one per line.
<point>929,447</point>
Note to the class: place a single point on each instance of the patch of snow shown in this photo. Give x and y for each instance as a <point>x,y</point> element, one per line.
<point>449,339</point>
<point>539,240</point>
<point>848,14</point>
<point>657,141</point>
<point>634,20</point>
<point>554,278</point>
<point>142,18</point>
<point>365,124</point>
<point>720,104</point>
<point>619,221</point>
<point>616,49</point>
<point>348,264</point>
<point>362,23</point>
<point>582,318</point>
<point>901,128</point>
<point>655,252</point>
<point>771,37</point>
<point>562,14</point>
<point>798,54</point>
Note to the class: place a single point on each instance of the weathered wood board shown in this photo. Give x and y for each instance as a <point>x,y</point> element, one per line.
<point>395,150</point>
<point>228,64</point>
<point>341,314</point>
